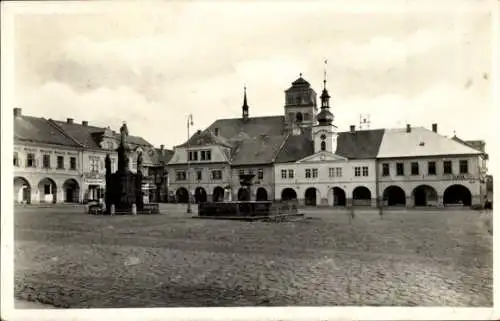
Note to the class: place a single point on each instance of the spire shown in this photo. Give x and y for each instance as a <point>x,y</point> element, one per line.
<point>245,104</point>
<point>325,117</point>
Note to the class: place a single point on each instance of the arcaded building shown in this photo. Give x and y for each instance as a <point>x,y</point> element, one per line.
<point>302,155</point>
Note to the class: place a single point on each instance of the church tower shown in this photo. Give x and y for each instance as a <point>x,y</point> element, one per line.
<point>325,133</point>
<point>300,105</point>
<point>244,108</point>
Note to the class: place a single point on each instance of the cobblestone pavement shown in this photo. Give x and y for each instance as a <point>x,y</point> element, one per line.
<point>68,259</point>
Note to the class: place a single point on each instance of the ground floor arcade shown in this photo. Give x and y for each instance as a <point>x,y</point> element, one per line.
<point>220,193</point>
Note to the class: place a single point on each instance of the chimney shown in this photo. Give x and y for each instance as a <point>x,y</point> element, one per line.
<point>69,120</point>
<point>85,123</point>
<point>161,148</point>
<point>408,128</point>
<point>435,128</point>
<point>352,128</point>
<point>17,112</point>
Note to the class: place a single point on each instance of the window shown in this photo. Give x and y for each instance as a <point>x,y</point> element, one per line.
<point>290,173</point>
<point>414,168</point>
<point>298,116</point>
<point>447,167</point>
<point>323,145</point>
<point>217,174</point>
<point>206,155</point>
<point>72,163</point>
<point>315,173</point>
<point>431,168</point>
<point>46,161</point>
<point>385,170</point>
<point>216,131</point>
<point>338,171</point>
<point>464,166</point>
<point>30,160</point>
<point>365,171</point>
<point>180,176</point>
<point>198,175</point>
<point>242,172</point>
<point>331,172</point>
<point>357,171</point>
<point>260,174</point>
<point>193,155</point>
<point>16,159</point>
<point>60,162</point>
<point>283,173</point>
<point>94,164</point>
<point>308,173</point>
<point>400,169</point>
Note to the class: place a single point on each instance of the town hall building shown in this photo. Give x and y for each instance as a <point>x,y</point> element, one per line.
<point>301,155</point>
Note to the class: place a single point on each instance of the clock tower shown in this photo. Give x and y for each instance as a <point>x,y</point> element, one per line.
<point>325,133</point>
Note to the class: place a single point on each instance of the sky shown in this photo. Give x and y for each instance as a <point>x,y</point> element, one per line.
<point>401,62</point>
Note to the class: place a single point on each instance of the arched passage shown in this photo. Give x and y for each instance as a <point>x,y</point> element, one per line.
<point>71,190</point>
<point>339,198</point>
<point>200,195</point>
<point>261,194</point>
<point>218,194</point>
<point>182,195</point>
<point>394,196</point>
<point>310,197</point>
<point>457,195</point>
<point>22,190</point>
<point>424,195</point>
<point>361,195</point>
<point>243,195</point>
<point>288,194</point>
<point>47,190</point>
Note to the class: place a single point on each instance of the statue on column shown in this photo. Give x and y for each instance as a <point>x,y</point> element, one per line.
<point>123,150</point>
<point>139,162</point>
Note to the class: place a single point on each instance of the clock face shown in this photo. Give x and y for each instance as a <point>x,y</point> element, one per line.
<point>323,137</point>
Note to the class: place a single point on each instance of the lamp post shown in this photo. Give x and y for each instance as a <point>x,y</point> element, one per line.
<point>189,124</point>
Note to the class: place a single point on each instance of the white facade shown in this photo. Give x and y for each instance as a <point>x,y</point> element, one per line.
<point>47,174</point>
<point>334,179</point>
<point>419,167</point>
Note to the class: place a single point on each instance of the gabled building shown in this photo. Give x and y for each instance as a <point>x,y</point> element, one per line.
<point>321,166</point>
<point>47,162</point>
<point>420,167</point>
<point>68,159</point>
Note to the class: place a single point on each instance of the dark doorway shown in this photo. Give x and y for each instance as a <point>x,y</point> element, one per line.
<point>182,195</point>
<point>361,196</point>
<point>394,196</point>
<point>218,194</point>
<point>310,197</point>
<point>243,195</point>
<point>288,194</point>
<point>424,194</point>
<point>200,195</point>
<point>261,194</point>
<point>457,195</point>
<point>339,198</point>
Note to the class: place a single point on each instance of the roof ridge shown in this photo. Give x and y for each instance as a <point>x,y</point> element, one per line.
<point>281,147</point>
<point>62,131</point>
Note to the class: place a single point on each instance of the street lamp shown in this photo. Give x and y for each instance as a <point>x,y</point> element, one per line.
<point>189,124</point>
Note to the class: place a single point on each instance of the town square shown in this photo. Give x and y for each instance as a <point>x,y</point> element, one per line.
<point>154,168</point>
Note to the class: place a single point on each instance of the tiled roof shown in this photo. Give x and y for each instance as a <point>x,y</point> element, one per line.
<point>89,136</point>
<point>254,126</point>
<point>204,138</point>
<point>361,144</point>
<point>163,157</point>
<point>296,147</point>
<point>257,150</point>
<point>39,130</point>
<point>420,142</point>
